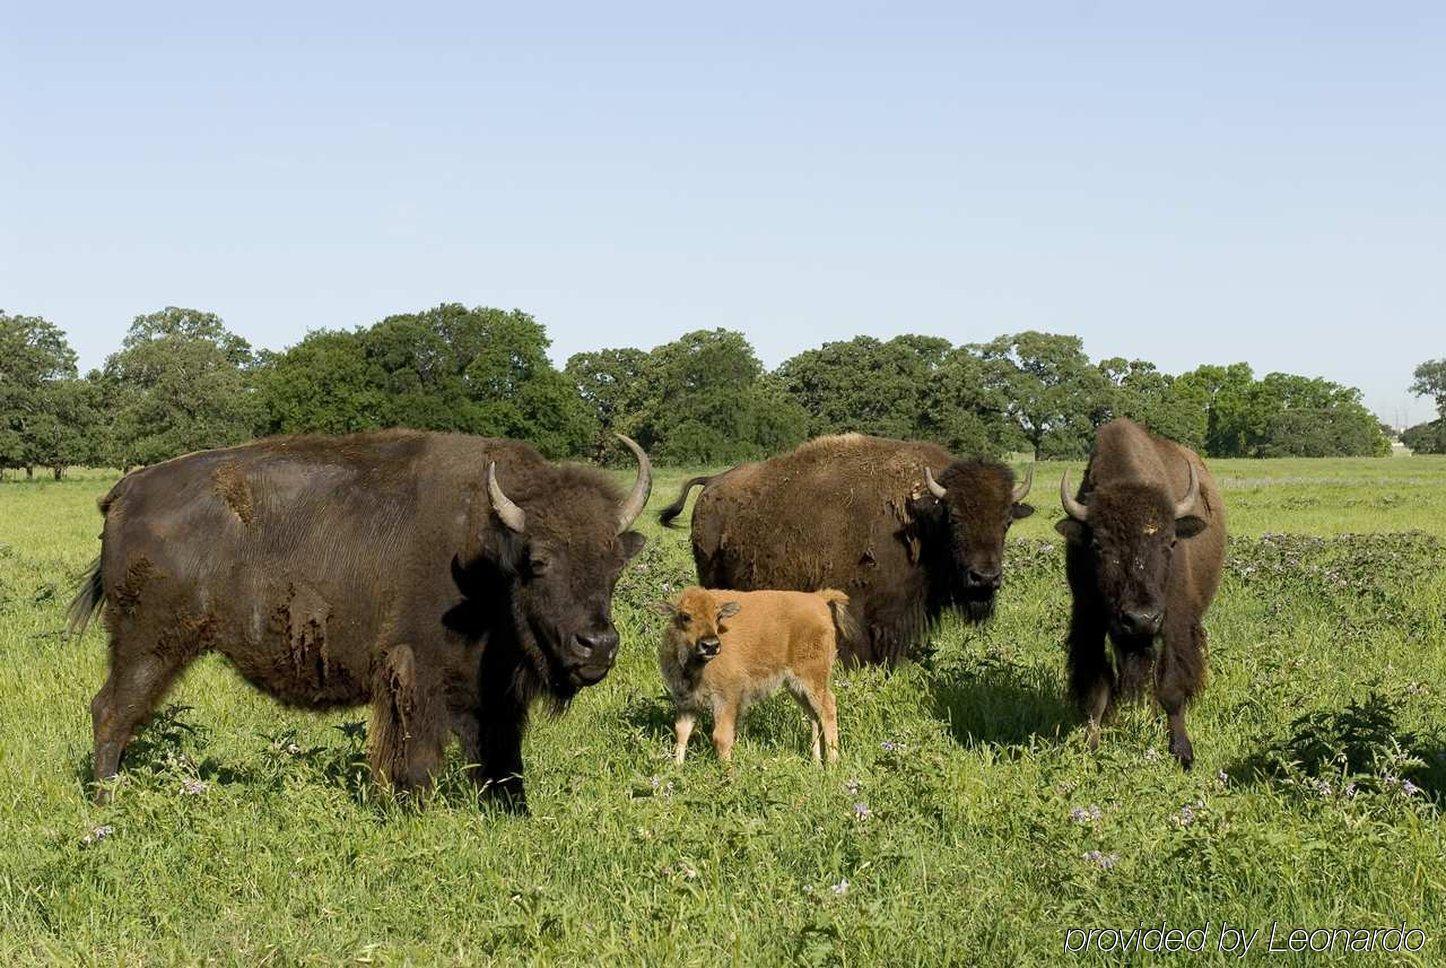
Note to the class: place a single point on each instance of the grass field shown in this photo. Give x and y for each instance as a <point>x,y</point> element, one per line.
<point>966,821</point>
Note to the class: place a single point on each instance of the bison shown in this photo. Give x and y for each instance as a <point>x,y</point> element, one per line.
<point>447,580</point>
<point>1145,545</point>
<point>902,527</point>
<point>724,651</point>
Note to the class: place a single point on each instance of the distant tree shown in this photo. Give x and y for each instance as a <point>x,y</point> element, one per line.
<point>865,385</point>
<point>1430,381</point>
<point>65,431</point>
<point>1233,420</point>
<point>1426,438</point>
<point>480,371</point>
<point>613,383</point>
<point>1056,397</point>
<point>1170,407</point>
<point>966,412</point>
<point>34,355</point>
<point>177,384</point>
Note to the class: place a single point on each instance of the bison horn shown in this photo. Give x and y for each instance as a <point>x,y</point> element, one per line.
<point>1021,490</point>
<point>512,515</point>
<point>1186,504</point>
<point>642,487</point>
<point>934,487</point>
<point>1074,508</point>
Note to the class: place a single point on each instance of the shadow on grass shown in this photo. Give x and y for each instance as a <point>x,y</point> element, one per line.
<point>998,703</point>
<point>1360,747</point>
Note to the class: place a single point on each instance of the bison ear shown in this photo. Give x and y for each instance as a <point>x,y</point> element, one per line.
<point>728,610</point>
<point>1021,510</point>
<point>1071,529</point>
<point>632,543</point>
<point>1189,526</point>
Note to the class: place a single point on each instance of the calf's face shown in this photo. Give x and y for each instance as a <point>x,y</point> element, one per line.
<point>1130,535</point>
<point>697,623</point>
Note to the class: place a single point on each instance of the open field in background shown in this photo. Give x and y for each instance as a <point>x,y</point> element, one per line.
<point>966,821</point>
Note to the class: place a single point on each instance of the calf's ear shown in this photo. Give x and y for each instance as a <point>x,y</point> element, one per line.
<point>1071,529</point>
<point>728,610</point>
<point>664,607</point>
<point>1021,510</point>
<point>1189,526</point>
<point>632,543</point>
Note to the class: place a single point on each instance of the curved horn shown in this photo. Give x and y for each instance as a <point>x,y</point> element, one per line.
<point>934,487</point>
<point>1072,507</point>
<point>1020,490</point>
<point>642,487</point>
<point>1186,504</point>
<point>512,515</point>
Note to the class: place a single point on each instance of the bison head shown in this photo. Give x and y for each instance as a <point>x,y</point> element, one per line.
<point>556,563</point>
<point>697,624</point>
<point>1128,532</point>
<point>964,516</point>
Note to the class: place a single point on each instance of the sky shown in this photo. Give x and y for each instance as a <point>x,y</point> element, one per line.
<point>1183,183</point>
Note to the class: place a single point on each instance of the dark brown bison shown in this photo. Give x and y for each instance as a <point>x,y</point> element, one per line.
<point>1146,543</point>
<point>449,581</point>
<point>902,527</point>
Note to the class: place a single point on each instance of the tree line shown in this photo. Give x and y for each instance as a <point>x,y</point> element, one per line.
<point>182,381</point>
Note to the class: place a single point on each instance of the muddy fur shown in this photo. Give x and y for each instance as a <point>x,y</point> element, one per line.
<point>1134,555</point>
<point>370,569</point>
<point>853,512</point>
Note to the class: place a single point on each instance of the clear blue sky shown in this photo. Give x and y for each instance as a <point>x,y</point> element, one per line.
<point>1180,182</point>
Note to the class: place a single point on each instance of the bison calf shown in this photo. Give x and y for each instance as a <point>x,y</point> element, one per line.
<point>724,651</point>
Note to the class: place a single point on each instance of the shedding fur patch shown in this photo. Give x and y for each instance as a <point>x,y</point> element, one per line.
<point>139,572</point>
<point>302,619</point>
<point>233,488</point>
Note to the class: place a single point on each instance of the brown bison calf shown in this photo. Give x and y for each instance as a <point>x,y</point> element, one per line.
<point>1146,544</point>
<point>724,651</point>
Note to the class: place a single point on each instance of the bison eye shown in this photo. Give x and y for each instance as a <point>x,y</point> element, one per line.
<point>538,565</point>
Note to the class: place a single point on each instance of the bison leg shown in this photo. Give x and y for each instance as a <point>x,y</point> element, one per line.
<point>406,734</point>
<point>1091,677</point>
<point>503,720</point>
<point>1177,677</point>
<point>725,724</point>
<point>682,730</point>
<point>136,683</point>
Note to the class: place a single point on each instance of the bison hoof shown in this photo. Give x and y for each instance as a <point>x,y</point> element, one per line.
<point>509,797</point>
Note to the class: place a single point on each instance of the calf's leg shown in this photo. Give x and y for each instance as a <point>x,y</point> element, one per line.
<point>725,724</point>
<point>682,730</point>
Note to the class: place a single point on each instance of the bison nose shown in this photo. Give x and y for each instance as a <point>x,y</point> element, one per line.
<point>985,578</point>
<point>709,647</point>
<point>598,645</point>
<point>1141,622</point>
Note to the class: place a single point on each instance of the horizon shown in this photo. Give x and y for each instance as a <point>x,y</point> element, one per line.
<point>1180,186</point>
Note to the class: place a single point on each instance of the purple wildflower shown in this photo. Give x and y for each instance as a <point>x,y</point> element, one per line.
<point>841,888</point>
<point>1104,861</point>
<point>862,811</point>
<point>194,788</point>
<point>98,834</point>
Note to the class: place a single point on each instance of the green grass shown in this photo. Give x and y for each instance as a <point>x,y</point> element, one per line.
<point>969,765</point>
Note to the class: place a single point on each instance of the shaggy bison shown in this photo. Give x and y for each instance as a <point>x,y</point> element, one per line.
<point>902,527</point>
<point>1146,541</point>
<point>449,581</point>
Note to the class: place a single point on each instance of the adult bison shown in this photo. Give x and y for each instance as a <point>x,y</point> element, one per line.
<point>902,527</point>
<point>1146,541</point>
<point>449,581</point>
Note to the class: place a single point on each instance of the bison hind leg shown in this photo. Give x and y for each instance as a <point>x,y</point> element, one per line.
<point>406,736</point>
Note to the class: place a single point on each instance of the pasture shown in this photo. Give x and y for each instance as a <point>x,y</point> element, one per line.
<point>965,822</point>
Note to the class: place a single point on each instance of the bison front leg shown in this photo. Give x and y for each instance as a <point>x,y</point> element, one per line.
<point>1178,676</point>
<point>503,720</point>
<point>407,729</point>
<point>1091,677</point>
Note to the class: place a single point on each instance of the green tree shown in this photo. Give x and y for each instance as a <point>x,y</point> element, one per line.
<point>324,384</point>
<point>865,385</point>
<point>614,384</point>
<point>65,432</point>
<point>1170,407</point>
<point>178,384</point>
<point>34,355</point>
<point>1055,396</point>
<point>1233,419</point>
<point>1430,381</point>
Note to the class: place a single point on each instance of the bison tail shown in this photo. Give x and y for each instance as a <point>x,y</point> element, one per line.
<point>676,508</point>
<point>87,601</point>
<point>845,622</point>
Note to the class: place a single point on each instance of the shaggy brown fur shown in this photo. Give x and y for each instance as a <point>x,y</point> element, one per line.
<point>1138,573</point>
<point>724,651</point>
<point>853,512</point>
<point>363,569</point>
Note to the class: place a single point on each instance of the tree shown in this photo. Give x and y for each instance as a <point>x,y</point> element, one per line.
<point>865,385</point>
<point>1055,397</point>
<point>178,384</point>
<point>1169,407</point>
<point>613,383</point>
<point>1232,419</point>
<point>1431,382</point>
<point>324,384</point>
<point>1426,438</point>
<point>34,354</point>
<point>65,431</point>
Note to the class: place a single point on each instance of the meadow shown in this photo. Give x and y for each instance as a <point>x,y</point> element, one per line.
<point>965,823</point>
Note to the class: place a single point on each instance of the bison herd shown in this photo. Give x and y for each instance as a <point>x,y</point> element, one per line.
<point>451,582</point>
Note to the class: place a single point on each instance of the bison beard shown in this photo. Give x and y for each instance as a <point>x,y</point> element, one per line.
<point>390,568</point>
